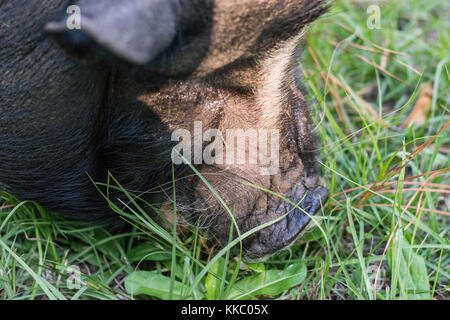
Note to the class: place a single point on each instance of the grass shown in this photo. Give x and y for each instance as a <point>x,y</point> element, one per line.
<point>384,232</point>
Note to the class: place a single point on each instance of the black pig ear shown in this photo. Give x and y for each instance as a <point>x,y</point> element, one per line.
<point>135,31</point>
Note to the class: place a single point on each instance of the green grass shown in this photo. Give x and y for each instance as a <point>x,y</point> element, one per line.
<point>365,232</point>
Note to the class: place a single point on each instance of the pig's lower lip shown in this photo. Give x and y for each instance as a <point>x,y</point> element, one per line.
<point>284,232</point>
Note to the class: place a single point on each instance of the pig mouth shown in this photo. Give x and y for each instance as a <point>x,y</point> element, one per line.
<point>283,233</point>
<point>267,222</point>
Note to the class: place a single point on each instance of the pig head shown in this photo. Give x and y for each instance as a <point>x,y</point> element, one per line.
<point>136,72</point>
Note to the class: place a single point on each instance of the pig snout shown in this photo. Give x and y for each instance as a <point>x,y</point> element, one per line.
<point>297,211</point>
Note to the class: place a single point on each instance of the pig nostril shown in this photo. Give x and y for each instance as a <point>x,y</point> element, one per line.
<point>299,219</point>
<point>314,199</point>
<point>321,194</point>
<point>286,231</point>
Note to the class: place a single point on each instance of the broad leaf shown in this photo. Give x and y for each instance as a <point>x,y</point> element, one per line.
<point>257,267</point>
<point>213,281</point>
<point>269,283</point>
<point>155,285</point>
<point>413,268</point>
<point>148,251</point>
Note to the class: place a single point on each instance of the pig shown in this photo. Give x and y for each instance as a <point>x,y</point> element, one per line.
<point>78,103</point>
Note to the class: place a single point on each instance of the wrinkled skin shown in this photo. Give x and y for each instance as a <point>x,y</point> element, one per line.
<point>106,98</point>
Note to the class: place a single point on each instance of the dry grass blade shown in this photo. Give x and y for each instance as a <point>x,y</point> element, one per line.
<point>373,43</point>
<point>379,67</point>
<point>417,189</point>
<point>420,111</point>
<point>405,207</point>
<point>395,170</point>
<point>434,185</point>
<point>385,54</point>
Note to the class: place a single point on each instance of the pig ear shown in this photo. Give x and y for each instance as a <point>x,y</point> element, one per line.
<point>135,31</point>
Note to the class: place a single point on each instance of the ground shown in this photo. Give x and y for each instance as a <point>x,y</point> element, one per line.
<point>380,94</point>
